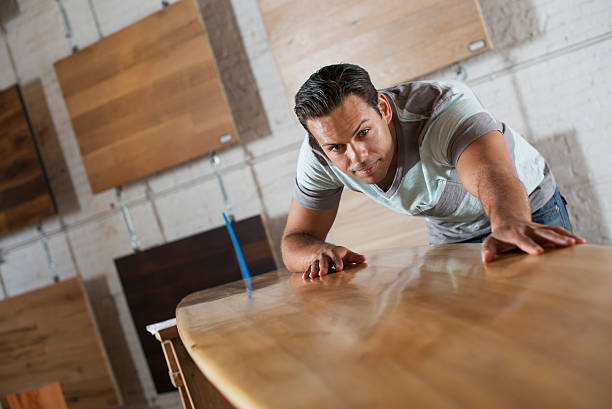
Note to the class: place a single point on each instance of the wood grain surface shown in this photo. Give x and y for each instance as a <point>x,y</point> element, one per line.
<point>44,397</point>
<point>391,229</point>
<point>428,327</point>
<point>155,280</point>
<point>25,196</point>
<point>50,334</point>
<point>146,98</point>
<point>394,40</point>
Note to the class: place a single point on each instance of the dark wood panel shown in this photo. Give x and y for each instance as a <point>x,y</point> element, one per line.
<point>25,195</point>
<point>155,280</point>
<point>51,334</point>
<point>146,98</point>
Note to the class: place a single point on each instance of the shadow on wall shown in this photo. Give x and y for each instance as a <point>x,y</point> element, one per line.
<point>116,343</point>
<point>50,148</point>
<point>235,70</point>
<point>510,25</point>
<point>569,165</point>
<point>276,226</point>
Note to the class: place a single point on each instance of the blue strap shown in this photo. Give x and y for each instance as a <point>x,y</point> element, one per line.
<point>243,267</point>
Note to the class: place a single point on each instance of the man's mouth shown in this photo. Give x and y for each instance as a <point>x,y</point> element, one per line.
<point>368,169</point>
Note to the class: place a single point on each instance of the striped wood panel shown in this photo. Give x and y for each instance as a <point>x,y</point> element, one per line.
<point>50,334</point>
<point>146,98</point>
<point>25,196</point>
<point>394,40</point>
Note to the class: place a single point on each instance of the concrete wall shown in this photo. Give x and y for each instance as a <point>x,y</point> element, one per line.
<point>548,78</point>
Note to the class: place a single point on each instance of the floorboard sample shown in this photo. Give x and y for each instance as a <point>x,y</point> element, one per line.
<point>391,230</point>
<point>25,196</point>
<point>155,280</point>
<point>394,40</point>
<point>146,98</point>
<point>45,397</point>
<point>50,334</point>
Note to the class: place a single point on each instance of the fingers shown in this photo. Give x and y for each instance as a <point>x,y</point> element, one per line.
<point>327,258</point>
<point>554,237</point>
<point>351,257</point>
<point>563,231</point>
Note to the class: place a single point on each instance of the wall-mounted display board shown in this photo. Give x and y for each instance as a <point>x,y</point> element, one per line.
<point>155,280</point>
<point>146,98</point>
<point>50,334</point>
<point>394,40</point>
<point>25,195</point>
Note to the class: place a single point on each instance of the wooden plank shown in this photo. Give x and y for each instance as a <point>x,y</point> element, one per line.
<point>46,397</point>
<point>394,40</point>
<point>426,327</point>
<point>201,394</point>
<point>51,334</point>
<point>25,195</point>
<point>155,280</point>
<point>391,230</point>
<point>146,98</point>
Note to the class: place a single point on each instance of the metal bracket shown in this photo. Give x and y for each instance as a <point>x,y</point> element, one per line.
<point>45,243</point>
<point>73,45</point>
<point>214,159</point>
<point>460,71</point>
<point>128,220</point>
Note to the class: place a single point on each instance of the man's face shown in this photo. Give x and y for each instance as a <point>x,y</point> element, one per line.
<point>357,140</point>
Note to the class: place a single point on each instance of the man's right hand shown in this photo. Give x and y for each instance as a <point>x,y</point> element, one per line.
<point>329,256</point>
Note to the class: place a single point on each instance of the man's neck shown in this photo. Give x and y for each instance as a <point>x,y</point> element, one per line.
<point>386,183</point>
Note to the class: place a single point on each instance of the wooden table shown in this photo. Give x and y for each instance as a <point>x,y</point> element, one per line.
<point>429,327</point>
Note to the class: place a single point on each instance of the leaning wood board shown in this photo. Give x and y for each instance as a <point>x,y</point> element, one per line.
<point>50,334</point>
<point>146,98</point>
<point>155,280</point>
<point>427,327</point>
<point>394,40</point>
<point>45,397</point>
<point>25,196</point>
<point>391,230</point>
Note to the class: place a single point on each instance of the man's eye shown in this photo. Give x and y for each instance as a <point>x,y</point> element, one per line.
<point>335,148</point>
<point>364,132</point>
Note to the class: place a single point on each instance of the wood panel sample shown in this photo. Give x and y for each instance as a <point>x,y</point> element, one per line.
<point>394,40</point>
<point>146,98</point>
<point>50,334</point>
<point>155,280</point>
<point>25,196</point>
<point>391,230</point>
<point>45,397</point>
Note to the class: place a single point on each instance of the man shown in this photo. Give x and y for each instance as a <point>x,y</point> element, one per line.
<point>425,149</point>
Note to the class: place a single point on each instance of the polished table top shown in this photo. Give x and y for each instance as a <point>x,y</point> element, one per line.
<point>429,327</point>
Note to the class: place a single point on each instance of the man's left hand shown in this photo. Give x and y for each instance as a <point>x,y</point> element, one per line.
<point>528,236</point>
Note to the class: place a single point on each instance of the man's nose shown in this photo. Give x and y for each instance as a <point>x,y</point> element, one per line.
<point>358,152</point>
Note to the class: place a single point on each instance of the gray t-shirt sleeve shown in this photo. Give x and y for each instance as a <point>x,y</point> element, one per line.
<point>316,186</point>
<point>460,124</point>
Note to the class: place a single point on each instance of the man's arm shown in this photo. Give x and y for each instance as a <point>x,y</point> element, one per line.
<point>303,245</point>
<point>487,172</point>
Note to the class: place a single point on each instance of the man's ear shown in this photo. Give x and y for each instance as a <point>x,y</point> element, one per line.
<point>384,107</point>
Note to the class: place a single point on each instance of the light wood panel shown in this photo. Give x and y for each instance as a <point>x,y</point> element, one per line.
<point>146,98</point>
<point>363,225</point>
<point>427,327</point>
<point>155,280</point>
<point>394,40</point>
<point>51,334</point>
<point>25,196</point>
<point>45,397</point>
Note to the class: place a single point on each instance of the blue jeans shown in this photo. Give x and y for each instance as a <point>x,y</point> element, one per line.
<point>553,213</point>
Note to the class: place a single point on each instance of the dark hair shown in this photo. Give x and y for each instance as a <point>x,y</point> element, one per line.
<point>327,88</point>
